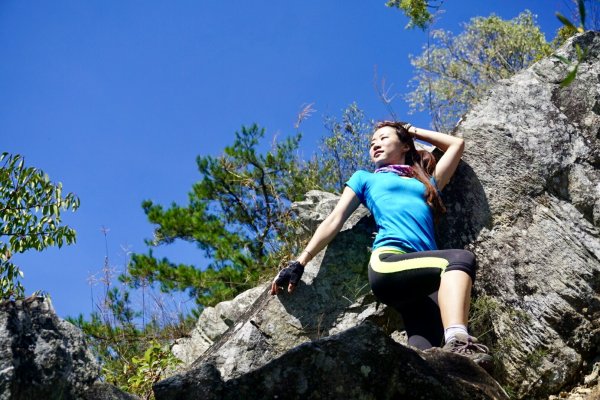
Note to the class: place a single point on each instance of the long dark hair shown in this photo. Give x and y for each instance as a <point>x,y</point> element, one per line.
<point>423,164</point>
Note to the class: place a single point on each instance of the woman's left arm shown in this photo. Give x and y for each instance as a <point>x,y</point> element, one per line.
<point>451,146</point>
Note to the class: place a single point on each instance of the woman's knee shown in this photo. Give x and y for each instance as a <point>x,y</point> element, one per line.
<point>462,260</point>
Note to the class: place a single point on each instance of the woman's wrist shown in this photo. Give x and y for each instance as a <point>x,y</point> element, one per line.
<point>305,257</point>
<point>412,130</point>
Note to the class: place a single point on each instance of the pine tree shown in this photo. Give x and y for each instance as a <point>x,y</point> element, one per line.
<point>238,214</point>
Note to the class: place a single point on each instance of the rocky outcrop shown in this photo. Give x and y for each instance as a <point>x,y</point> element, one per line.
<point>359,363</point>
<point>45,357</point>
<point>42,356</point>
<point>525,199</point>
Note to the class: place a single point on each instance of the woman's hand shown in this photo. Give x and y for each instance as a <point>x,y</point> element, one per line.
<point>289,276</point>
<point>408,126</point>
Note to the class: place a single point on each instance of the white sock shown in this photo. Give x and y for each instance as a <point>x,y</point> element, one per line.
<point>451,331</point>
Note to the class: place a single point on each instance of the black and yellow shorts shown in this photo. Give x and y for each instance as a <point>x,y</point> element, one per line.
<point>397,277</point>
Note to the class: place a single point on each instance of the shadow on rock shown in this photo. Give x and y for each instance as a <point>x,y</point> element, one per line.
<point>468,210</point>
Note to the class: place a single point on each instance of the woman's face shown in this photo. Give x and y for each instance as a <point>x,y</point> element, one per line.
<point>386,148</point>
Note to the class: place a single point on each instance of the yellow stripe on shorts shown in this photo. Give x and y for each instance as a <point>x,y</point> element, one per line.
<point>384,267</point>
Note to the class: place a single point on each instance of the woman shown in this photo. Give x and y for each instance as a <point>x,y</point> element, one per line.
<point>406,271</point>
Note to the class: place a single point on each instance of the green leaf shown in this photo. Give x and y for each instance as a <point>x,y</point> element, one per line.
<point>565,21</point>
<point>580,53</point>
<point>570,77</point>
<point>581,13</point>
<point>416,10</point>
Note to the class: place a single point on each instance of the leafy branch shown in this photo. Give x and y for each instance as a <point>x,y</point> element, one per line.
<point>30,217</point>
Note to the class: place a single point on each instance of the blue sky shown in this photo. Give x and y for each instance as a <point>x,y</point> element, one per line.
<point>116,99</point>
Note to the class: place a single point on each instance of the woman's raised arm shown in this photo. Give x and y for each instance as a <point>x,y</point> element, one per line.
<point>452,147</point>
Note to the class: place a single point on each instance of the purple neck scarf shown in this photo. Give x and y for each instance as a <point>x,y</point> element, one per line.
<point>398,169</point>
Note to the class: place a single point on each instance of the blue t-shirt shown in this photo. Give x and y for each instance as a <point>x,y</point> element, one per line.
<point>403,217</point>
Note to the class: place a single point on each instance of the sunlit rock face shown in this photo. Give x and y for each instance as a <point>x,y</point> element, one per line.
<point>526,200</point>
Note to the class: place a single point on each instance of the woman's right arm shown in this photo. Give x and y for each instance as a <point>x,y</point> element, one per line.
<point>452,147</point>
<point>327,230</point>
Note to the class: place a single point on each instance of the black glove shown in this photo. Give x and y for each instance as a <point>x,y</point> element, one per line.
<point>290,274</point>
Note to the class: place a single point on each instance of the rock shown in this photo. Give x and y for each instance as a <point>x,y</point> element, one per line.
<point>204,383</point>
<point>42,356</point>
<point>359,363</point>
<point>526,200</point>
<point>592,377</point>
<point>212,324</point>
<point>45,357</point>
<point>105,391</point>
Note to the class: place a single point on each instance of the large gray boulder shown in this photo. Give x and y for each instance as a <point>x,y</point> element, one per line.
<point>105,391</point>
<point>45,357</point>
<point>308,345</point>
<point>526,200</point>
<point>42,356</point>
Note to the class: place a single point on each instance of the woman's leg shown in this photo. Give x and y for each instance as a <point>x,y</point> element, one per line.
<point>454,300</point>
<point>404,280</point>
<point>423,333</point>
<point>454,297</point>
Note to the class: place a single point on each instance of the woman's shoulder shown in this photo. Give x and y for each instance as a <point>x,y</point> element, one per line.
<point>362,173</point>
<point>359,180</point>
<point>363,176</point>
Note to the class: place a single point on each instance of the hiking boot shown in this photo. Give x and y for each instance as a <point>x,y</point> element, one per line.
<point>469,347</point>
